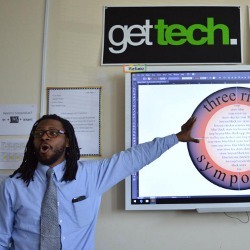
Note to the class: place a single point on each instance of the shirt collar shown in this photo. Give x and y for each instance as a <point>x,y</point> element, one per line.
<point>58,169</point>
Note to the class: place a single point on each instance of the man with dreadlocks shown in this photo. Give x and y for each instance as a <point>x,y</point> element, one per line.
<point>53,144</point>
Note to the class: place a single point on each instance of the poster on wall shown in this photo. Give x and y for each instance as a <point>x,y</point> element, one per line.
<point>82,107</point>
<point>12,152</point>
<point>17,119</point>
<point>171,34</point>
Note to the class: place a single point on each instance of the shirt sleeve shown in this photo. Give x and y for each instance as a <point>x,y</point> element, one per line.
<point>4,248</point>
<point>127,162</point>
<point>6,215</point>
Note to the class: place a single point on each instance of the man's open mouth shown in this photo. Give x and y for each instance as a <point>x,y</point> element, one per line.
<point>44,148</point>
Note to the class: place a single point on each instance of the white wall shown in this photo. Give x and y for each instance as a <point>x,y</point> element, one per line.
<point>73,59</point>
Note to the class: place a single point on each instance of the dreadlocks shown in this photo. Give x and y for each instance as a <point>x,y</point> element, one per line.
<point>29,163</point>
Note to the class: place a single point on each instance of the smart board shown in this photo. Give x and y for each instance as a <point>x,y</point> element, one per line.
<point>210,176</point>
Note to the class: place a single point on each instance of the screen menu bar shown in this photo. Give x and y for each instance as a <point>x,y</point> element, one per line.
<point>191,77</point>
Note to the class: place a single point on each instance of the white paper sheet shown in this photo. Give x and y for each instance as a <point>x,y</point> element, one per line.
<point>11,153</point>
<point>17,119</point>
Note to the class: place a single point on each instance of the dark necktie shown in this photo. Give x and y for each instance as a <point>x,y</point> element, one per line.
<point>50,230</point>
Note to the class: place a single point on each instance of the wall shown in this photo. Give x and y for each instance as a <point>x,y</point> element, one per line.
<point>73,59</point>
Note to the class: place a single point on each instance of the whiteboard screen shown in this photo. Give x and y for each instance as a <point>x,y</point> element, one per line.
<point>211,175</point>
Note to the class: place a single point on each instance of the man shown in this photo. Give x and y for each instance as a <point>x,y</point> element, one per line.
<point>79,184</point>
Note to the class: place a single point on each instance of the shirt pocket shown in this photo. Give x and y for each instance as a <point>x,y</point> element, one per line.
<point>83,212</point>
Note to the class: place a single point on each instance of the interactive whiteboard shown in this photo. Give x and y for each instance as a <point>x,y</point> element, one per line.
<point>213,175</point>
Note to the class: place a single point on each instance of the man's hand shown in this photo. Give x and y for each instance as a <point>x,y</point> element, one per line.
<point>185,134</point>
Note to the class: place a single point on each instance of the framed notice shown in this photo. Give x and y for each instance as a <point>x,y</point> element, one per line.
<point>82,107</point>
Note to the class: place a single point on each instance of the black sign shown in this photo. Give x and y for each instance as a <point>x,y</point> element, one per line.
<point>160,35</point>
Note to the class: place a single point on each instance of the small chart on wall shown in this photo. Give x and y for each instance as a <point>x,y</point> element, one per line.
<point>223,126</point>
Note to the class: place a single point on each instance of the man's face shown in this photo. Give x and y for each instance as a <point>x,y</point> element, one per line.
<point>50,151</point>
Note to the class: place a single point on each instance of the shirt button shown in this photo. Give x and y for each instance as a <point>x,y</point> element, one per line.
<point>60,221</point>
<point>63,237</point>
